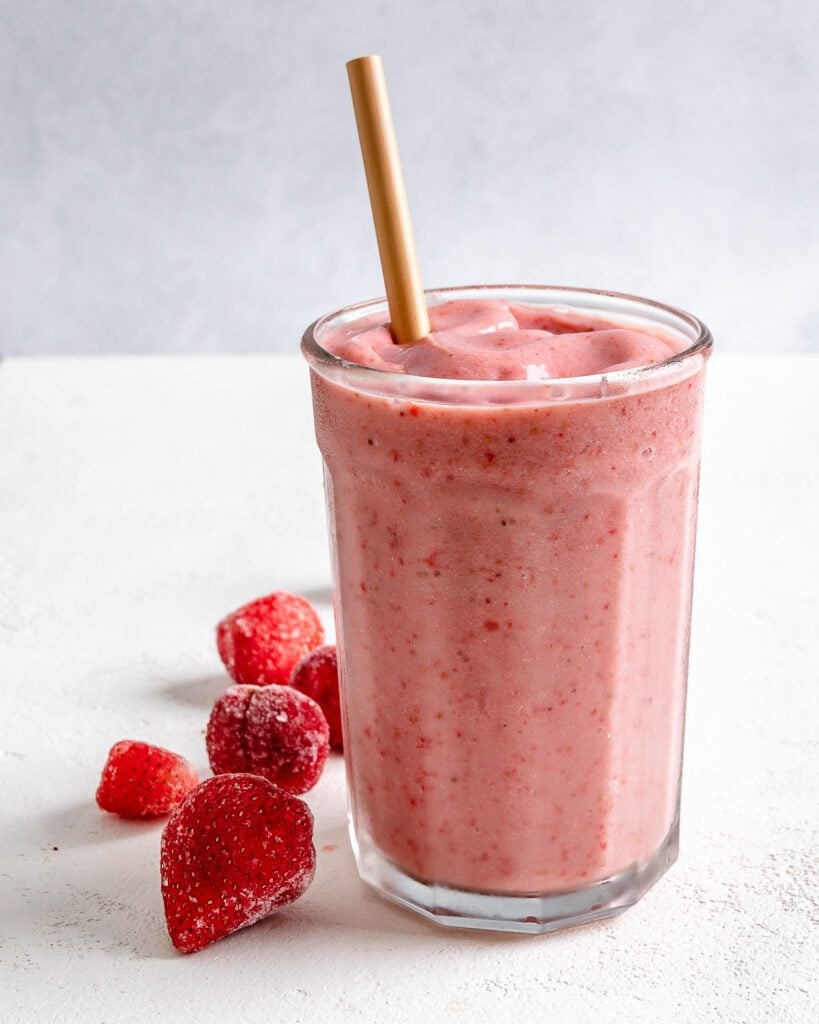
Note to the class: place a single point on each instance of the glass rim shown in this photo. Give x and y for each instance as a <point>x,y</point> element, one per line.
<point>320,358</point>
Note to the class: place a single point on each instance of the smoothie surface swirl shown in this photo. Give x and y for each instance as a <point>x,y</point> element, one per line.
<point>487,339</point>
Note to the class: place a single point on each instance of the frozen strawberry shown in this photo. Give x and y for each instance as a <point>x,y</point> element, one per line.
<point>141,781</point>
<point>235,851</point>
<point>225,736</point>
<point>317,676</point>
<point>262,642</point>
<point>273,731</point>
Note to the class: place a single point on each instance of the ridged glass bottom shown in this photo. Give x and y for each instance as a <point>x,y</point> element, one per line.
<point>534,915</point>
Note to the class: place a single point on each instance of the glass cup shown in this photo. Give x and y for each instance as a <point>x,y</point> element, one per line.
<point>513,567</point>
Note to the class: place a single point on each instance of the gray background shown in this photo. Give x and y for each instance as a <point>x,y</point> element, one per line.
<point>183,175</point>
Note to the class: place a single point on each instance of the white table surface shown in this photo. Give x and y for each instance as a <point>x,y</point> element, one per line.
<point>142,498</point>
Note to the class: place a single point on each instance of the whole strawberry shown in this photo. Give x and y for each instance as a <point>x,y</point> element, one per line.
<point>262,642</point>
<point>317,676</point>
<point>273,731</point>
<point>142,781</point>
<point>235,851</point>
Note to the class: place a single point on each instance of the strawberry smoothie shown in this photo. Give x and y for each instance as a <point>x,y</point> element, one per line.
<point>512,509</point>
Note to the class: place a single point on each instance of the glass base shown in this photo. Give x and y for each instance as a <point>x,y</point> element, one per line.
<point>533,915</point>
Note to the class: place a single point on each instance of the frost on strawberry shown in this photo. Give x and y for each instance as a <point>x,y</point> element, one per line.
<point>262,642</point>
<point>234,852</point>
<point>143,781</point>
<point>317,676</point>
<point>273,731</point>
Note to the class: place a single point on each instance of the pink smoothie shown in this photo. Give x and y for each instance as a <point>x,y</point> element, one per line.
<point>513,597</point>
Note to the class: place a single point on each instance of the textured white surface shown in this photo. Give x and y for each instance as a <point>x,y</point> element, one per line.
<point>140,499</point>
<point>184,174</point>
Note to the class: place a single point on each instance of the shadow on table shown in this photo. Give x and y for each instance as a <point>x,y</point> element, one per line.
<point>318,595</point>
<point>198,692</point>
<point>84,824</point>
<point>91,881</point>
